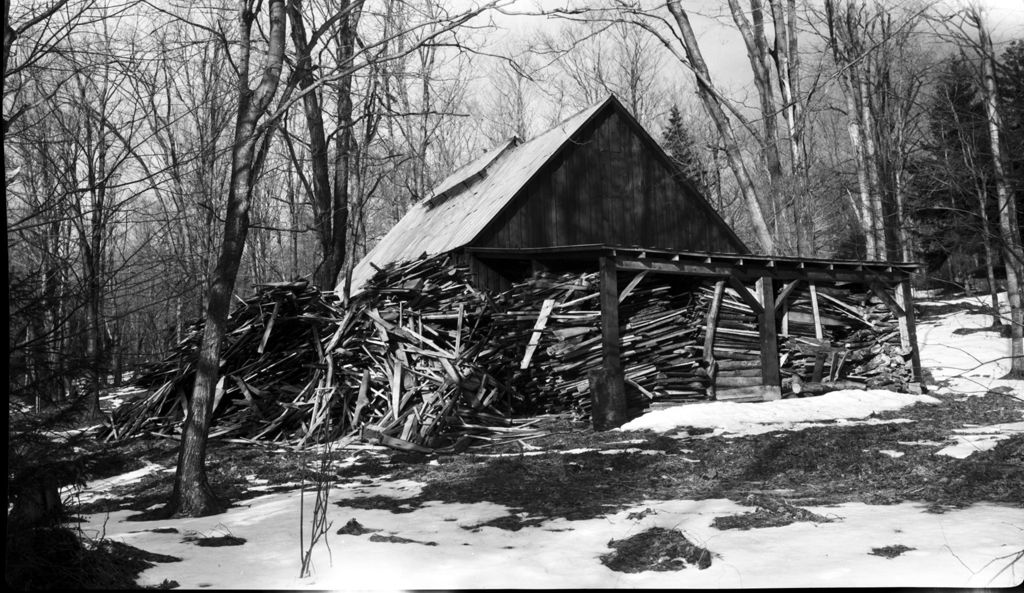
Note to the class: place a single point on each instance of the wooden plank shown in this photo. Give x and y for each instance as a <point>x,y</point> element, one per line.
<point>538,328</point>
<point>632,284</point>
<point>814,311</point>
<point>725,381</point>
<point>819,365</point>
<point>598,382</point>
<point>458,330</point>
<point>908,330</point>
<point>612,411</point>
<point>751,393</point>
<point>362,400</point>
<point>709,336</point>
<point>769,339</point>
<point>396,388</point>
<point>270,326</point>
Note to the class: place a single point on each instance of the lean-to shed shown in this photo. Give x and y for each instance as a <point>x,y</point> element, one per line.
<point>598,192</point>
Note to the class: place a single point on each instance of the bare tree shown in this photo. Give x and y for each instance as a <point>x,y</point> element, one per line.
<point>714,104</point>
<point>192,495</point>
<point>1013,249</point>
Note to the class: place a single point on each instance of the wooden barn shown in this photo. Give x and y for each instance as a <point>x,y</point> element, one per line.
<point>597,193</point>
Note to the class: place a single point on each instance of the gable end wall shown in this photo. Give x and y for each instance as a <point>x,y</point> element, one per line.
<point>609,188</point>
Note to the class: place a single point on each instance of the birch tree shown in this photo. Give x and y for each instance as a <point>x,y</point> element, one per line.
<point>1009,226</point>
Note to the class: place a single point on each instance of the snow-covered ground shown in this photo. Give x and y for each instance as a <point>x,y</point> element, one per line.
<point>966,363</point>
<point>737,419</point>
<point>973,547</point>
<point>955,549</point>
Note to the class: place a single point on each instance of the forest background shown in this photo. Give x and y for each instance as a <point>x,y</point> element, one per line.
<point>161,157</point>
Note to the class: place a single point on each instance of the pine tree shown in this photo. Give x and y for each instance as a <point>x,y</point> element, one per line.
<point>681,146</point>
<point>1010,74</point>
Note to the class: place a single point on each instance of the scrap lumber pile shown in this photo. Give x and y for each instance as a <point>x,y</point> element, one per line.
<point>841,337</point>
<point>829,338</point>
<point>418,366</point>
<point>422,360</point>
<point>398,365</point>
<point>267,354</point>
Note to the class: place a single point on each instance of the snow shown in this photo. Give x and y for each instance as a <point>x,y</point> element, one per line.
<point>451,550</point>
<point>966,363</point>
<point>738,419</point>
<point>98,489</point>
<point>980,438</point>
<point>973,547</point>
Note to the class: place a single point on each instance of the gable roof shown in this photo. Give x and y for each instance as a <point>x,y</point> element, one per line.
<point>465,203</point>
<point>435,226</point>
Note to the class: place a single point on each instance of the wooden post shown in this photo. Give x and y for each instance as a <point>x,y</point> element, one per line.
<point>610,411</point>
<point>769,340</point>
<point>908,331</point>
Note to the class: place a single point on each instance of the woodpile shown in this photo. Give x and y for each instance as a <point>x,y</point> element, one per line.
<point>829,339</point>
<point>854,344</point>
<point>398,366</point>
<point>734,343</point>
<point>661,357</point>
<point>421,360</point>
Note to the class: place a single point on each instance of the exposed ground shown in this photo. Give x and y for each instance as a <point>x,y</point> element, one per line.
<point>577,473</point>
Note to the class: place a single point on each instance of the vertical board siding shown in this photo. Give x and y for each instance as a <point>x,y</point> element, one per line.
<point>608,187</point>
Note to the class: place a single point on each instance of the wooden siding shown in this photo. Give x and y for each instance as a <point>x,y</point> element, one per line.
<point>613,187</point>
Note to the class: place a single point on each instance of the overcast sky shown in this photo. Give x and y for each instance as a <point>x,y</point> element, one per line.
<point>720,41</point>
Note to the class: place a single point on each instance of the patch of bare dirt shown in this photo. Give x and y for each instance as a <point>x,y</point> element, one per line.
<point>770,512</point>
<point>655,549</point>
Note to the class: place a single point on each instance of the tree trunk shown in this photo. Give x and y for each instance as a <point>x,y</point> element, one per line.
<point>343,144</point>
<point>849,54</point>
<point>192,495</point>
<point>330,204</point>
<point>721,121</point>
<point>986,242</point>
<point>1008,222</point>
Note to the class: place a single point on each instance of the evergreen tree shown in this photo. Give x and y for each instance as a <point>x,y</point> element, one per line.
<point>681,146</point>
<point>956,165</point>
<point>1010,75</point>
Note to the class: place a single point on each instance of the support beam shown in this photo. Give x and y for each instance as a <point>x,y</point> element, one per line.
<point>769,340</point>
<point>609,411</point>
<point>780,300</point>
<point>722,269</point>
<point>756,304</point>
<point>908,330</point>
<point>881,293</point>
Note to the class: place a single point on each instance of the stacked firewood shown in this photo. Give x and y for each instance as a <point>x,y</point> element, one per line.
<point>736,344</point>
<point>854,343</point>
<point>658,342</point>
